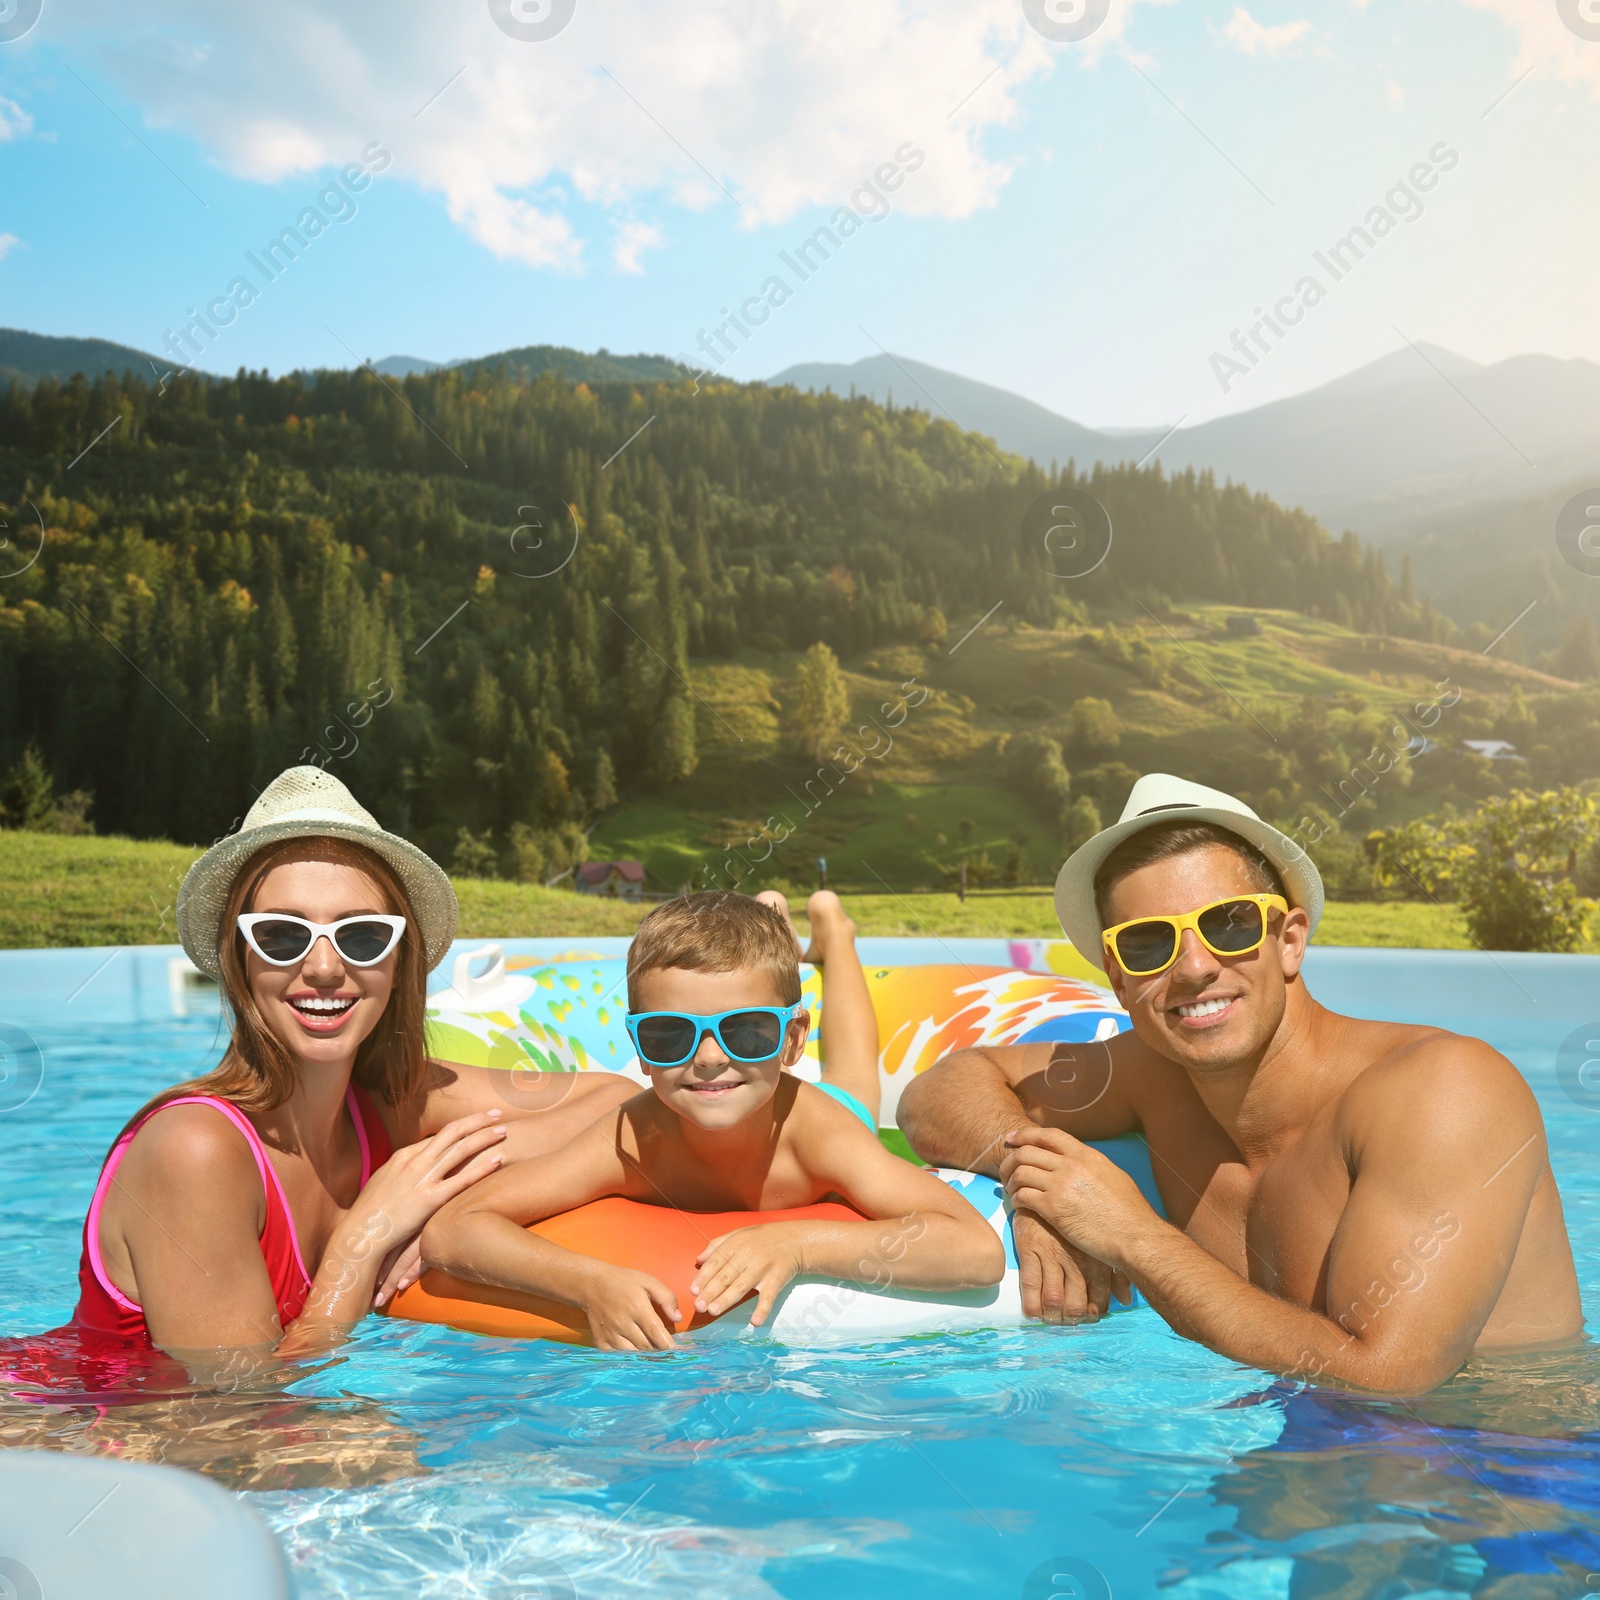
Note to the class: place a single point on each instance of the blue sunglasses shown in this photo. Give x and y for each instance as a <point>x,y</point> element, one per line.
<point>669,1038</point>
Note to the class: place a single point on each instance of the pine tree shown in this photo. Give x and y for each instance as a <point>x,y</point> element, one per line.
<point>820,702</point>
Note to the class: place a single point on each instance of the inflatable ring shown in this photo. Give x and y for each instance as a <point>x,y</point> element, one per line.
<point>563,1013</point>
<point>659,1240</point>
<point>664,1242</point>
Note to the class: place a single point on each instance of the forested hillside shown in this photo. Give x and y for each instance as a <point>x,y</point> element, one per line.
<point>203,580</point>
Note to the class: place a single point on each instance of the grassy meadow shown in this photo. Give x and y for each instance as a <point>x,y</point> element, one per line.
<point>91,891</point>
<point>891,812</point>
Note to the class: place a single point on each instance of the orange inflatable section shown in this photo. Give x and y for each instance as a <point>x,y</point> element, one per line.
<point>655,1239</point>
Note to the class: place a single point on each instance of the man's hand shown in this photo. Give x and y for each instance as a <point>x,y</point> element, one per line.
<point>630,1310</point>
<point>1059,1282</point>
<point>1090,1201</point>
<point>763,1257</point>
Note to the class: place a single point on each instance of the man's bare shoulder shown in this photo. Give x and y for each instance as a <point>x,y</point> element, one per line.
<point>1430,1083</point>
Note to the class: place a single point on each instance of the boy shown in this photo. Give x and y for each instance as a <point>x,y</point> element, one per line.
<point>713,992</point>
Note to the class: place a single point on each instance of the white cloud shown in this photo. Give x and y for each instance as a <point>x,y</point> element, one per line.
<point>8,242</point>
<point>1258,38</point>
<point>783,105</point>
<point>15,123</point>
<point>632,239</point>
<point>1546,42</point>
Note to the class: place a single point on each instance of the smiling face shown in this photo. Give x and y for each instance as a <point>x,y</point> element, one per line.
<point>711,1090</point>
<point>1205,1011</point>
<point>320,1008</point>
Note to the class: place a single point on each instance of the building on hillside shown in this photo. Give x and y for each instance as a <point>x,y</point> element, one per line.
<point>620,880</point>
<point>1243,626</point>
<point>1493,749</point>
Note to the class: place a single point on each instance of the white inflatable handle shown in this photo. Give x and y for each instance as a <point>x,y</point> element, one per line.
<point>470,987</point>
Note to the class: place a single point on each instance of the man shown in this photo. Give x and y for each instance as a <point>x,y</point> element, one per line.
<point>1361,1202</point>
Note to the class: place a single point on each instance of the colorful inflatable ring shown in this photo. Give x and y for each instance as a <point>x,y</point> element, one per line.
<point>564,1013</point>
<point>655,1239</point>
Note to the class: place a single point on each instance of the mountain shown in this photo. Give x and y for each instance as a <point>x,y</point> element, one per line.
<point>27,357</point>
<point>1418,432</point>
<point>1412,435</point>
<point>1015,424</point>
<point>528,361</point>
<point>405,366</point>
<point>383,547</point>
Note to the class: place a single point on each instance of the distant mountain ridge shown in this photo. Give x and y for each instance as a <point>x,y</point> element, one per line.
<point>1416,432</point>
<point>1395,449</point>
<point>26,357</point>
<point>530,360</point>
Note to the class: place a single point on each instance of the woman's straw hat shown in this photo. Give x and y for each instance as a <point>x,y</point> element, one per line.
<point>1157,798</point>
<point>308,803</point>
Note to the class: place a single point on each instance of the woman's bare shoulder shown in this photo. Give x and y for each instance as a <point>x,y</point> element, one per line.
<point>189,1145</point>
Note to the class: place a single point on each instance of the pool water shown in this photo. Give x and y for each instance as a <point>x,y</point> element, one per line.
<point>1111,1460</point>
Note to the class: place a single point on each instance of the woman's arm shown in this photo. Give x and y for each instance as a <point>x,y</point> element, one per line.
<point>185,1210</point>
<point>398,1200</point>
<point>187,1202</point>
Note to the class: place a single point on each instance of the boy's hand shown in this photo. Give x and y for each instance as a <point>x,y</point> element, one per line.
<point>630,1310</point>
<point>763,1257</point>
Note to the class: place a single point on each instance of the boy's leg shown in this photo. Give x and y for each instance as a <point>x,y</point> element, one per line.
<point>849,1025</point>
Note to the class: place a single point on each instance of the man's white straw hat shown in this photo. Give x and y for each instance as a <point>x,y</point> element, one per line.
<point>308,803</point>
<point>1159,798</point>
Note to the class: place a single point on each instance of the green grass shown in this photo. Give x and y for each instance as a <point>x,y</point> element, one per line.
<point>89,891</point>
<point>57,891</point>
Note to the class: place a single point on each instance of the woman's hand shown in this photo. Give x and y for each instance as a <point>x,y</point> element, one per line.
<point>763,1257</point>
<point>630,1310</point>
<point>401,1268</point>
<point>372,1245</point>
<point>419,1178</point>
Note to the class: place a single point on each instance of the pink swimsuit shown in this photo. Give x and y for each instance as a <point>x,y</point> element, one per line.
<point>103,1308</point>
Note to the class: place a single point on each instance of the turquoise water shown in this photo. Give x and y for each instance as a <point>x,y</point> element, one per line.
<point>1115,1460</point>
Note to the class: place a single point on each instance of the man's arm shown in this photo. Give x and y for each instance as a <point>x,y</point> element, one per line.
<point>958,1113</point>
<point>1446,1152</point>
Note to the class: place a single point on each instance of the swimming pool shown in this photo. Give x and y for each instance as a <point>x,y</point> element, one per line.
<point>1114,1460</point>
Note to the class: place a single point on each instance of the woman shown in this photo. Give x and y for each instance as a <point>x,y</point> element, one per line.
<point>272,1202</point>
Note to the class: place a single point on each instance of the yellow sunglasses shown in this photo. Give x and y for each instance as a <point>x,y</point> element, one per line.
<point>1231,927</point>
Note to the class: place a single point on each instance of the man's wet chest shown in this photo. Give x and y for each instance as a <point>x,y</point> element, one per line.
<point>1274,1224</point>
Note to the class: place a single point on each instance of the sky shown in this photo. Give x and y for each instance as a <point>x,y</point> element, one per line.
<point>1083,220</point>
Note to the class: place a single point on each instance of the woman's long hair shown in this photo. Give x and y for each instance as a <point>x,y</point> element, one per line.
<point>258,1073</point>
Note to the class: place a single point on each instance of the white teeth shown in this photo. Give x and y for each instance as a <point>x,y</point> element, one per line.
<point>1204,1008</point>
<point>317,1003</point>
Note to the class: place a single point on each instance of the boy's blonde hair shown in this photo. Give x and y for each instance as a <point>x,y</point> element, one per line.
<point>716,931</point>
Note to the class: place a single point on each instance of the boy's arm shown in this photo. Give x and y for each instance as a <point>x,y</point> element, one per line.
<point>923,1234</point>
<point>482,1236</point>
